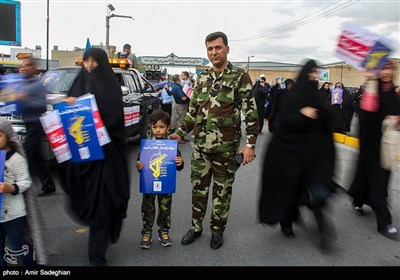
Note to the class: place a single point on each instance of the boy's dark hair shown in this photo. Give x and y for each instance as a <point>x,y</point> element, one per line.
<point>160,115</point>
<point>215,35</point>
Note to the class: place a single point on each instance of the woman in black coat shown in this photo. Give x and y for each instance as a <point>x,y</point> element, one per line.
<point>99,190</point>
<point>299,161</point>
<point>371,181</point>
<point>260,93</point>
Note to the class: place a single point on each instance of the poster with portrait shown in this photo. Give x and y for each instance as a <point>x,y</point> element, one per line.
<point>80,129</point>
<point>337,96</point>
<point>159,173</point>
<point>323,75</point>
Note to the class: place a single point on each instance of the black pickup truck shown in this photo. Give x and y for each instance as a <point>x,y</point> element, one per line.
<point>139,98</point>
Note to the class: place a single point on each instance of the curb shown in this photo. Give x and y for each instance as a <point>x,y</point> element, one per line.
<point>346,140</point>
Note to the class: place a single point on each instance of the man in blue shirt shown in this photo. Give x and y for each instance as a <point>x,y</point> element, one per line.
<point>33,101</point>
<point>181,101</point>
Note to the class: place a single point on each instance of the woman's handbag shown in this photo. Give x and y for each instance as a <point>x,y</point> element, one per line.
<point>390,144</point>
<point>370,98</point>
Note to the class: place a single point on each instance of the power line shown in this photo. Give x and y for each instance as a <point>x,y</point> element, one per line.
<point>261,34</point>
<point>302,21</point>
<point>329,12</point>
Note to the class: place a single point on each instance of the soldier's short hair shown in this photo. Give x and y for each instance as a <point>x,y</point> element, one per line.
<point>127,46</point>
<point>160,115</point>
<point>215,35</point>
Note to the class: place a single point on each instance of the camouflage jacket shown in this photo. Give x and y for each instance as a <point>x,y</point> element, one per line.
<point>214,110</point>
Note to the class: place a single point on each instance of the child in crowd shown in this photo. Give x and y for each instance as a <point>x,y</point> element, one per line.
<point>160,124</point>
<point>13,219</point>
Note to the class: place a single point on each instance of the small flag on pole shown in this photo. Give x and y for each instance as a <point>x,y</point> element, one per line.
<point>88,45</point>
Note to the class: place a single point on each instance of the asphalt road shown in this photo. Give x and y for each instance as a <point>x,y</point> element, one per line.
<point>246,242</point>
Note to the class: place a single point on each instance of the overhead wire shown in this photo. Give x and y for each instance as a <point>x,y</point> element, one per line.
<point>302,21</point>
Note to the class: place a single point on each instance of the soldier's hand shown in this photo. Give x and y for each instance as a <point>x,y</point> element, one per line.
<point>175,136</point>
<point>248,155</point>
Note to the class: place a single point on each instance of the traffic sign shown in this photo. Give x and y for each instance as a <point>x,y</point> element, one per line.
<point>21,56</point>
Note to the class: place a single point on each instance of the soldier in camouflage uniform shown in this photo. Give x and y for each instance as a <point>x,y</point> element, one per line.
<point>220,94</point>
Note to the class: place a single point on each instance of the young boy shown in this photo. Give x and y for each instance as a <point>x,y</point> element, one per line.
<point>13,220</point>
<point>160,124</point>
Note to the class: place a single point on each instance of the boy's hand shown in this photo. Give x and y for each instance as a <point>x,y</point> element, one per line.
<point>139,165</point>
<point>178,161</point>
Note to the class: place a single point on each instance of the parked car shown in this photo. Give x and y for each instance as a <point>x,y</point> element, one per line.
<point>138,102</point>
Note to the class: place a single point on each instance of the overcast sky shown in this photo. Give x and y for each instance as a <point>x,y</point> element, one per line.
<point>280,31</point>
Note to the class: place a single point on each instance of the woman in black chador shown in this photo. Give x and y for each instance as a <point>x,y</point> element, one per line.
<point>343,111</point>
<point>99,190</point>
<point>371,181</point>
<point>299,161</point>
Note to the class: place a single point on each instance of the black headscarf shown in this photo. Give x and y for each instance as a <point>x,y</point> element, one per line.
<point>103,83</point>
<point>305,90</point>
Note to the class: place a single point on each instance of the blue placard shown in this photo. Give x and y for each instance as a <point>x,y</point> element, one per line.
<point>377,57</point>
<point>10,84</point>
<point>159,173</point>
<point>2,167</point>
<point>80,129</point>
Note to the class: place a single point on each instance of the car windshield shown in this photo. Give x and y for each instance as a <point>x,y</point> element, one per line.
<point>59,80</point>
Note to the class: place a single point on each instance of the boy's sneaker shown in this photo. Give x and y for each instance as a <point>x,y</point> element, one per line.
<point>146,241</point>
<point>164,239</point>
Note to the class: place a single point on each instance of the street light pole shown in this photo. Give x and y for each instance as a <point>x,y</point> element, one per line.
<point>47,41</point>
<point>341,72</point>
<point>111,8</point>
<point>248,62</point>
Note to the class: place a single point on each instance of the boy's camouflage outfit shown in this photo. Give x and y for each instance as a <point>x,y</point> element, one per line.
<point>164,210</point>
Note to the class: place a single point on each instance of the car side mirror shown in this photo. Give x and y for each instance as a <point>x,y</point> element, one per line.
<point>125,90</point>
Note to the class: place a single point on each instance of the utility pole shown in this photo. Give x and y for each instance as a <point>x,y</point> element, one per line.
<point>111,8</point>
<point>341,73</point>
<point>47,41</point>
<point>248,62</point>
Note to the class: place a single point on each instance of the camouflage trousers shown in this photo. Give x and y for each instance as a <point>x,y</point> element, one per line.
<point>149,212</point>
<point>221,167</point>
